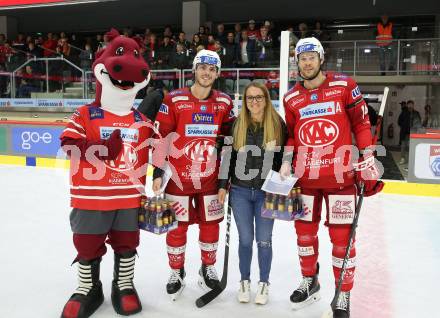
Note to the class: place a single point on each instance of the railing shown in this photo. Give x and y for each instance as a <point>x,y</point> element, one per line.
<point>401,57</point>
<point>61,78</point>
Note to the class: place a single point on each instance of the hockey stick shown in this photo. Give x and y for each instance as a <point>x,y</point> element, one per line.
<point>212,294</point>
<point>329,313</point>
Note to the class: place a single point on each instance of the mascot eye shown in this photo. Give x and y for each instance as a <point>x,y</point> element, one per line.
<point>120,51</point>
<point>136,53</point>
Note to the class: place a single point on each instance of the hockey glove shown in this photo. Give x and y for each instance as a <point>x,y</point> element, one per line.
<point>113,145</point>
<point>367,172</point>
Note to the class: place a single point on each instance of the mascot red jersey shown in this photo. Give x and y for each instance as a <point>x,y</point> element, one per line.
<point>106,141</point>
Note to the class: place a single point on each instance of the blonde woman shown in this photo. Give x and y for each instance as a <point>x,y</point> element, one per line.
<point>257,131</point>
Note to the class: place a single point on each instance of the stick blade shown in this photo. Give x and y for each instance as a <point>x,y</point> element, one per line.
<point>208,297</point>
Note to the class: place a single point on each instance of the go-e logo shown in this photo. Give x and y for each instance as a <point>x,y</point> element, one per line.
<point>33,137</point>
<point>36,141</point>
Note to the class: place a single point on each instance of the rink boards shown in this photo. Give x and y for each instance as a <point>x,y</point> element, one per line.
<point>391,186</point>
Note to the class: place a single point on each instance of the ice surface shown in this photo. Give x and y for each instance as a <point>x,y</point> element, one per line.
<point>398,247</point>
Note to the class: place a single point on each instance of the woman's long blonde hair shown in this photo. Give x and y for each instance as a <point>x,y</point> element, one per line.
<point>271,122</point>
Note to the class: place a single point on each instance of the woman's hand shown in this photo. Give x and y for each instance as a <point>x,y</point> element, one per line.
<point>286,169</point>
<point>221,196</point>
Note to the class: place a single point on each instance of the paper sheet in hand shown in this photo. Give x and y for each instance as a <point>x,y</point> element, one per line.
<point>274,183</point>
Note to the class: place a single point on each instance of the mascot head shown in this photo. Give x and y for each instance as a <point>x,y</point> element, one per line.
<point>121,72</point>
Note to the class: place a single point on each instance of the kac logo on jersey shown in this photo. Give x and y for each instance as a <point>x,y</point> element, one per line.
<point>318,132</point>
<point>203,108</point>
<point>356,92</point>
<point>314,97</point>
<point>434,160</point>
<point>202,118</point>
<point>316,110</point>
<point>199,150</point>
<point>163,109</point>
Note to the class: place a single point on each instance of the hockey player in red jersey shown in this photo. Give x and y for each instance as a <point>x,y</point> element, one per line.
<point>106,141</point>
<point>322,113</point>
<point>196,116</point>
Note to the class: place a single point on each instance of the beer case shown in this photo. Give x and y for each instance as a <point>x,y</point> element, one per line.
<point>285,208</point>
<point>157,216</point>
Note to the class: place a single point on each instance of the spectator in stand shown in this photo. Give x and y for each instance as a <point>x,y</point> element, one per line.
<point>179,58</point>
<point>211,43</point>
<point>247,50</point>
<point>218,48</point>
<point>270,31</point>
<point>98,43</point>
<point>273,84</point>
<point>183,41</point>
<point>320,34</point>
<point>168,32</point>
<point>221,35</point>
<point>56,71</point>
<point>63,43</point>
<point>203,35</point>
<point>33,52</point>
<point>29,39</point>
<point>5,52</point>
<point>28,84</point>
<point>293,39</point>
<point>252,32</point>
<point>237,31</point>
<point>303,31</point>
<point>384,39</point>
<point>86,58</point>
<point>429,121</point>
<point>19,42</point>
<point>147,32</point>
<point>164,53</point>
<point>196,42</point>
<point>230,52</point>
<point>265,48</point>
<point>8,52</point>
<point>151,50</point>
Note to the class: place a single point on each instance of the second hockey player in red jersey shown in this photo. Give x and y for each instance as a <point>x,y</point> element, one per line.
<point>197,115</point>
<point>322,114</point>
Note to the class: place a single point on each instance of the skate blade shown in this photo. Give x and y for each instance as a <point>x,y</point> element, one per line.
<point>176,295</point>
<point>202,285</point>
<point>313,298</point>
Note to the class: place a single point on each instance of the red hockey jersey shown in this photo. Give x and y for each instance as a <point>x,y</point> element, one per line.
<point>320,124</point>
<point>192,155</point>
<point>110,184</point>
